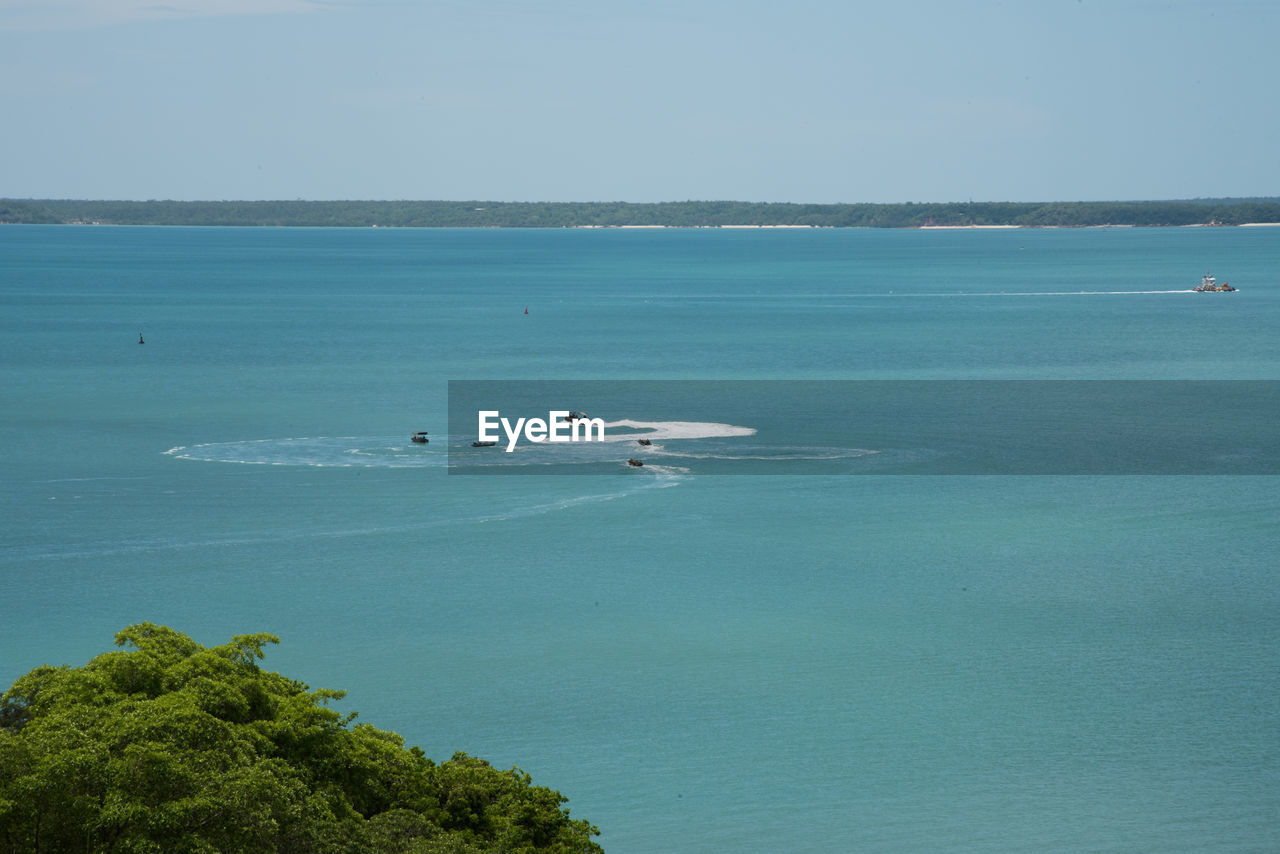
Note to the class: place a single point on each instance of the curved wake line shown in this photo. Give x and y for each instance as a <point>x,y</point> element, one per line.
<point>44,552</point>
<point>318,452</point>
<point>667,478</point>
<point>393,452</point>
<point>662,477</point>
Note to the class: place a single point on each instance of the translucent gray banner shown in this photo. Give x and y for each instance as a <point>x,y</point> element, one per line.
<point>925,427</point>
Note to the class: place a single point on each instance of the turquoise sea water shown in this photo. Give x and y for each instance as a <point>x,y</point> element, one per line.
<point>700,663</point>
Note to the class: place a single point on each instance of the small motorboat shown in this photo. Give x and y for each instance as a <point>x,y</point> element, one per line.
<point>645,442</point>
<point>634,462</point>
<point>483,444</point>
<point>420,437</point>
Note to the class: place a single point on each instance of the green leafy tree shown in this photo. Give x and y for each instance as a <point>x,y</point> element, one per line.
<point>169,746</point>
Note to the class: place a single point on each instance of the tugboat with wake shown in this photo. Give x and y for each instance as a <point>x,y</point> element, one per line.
<point>1209,285</point>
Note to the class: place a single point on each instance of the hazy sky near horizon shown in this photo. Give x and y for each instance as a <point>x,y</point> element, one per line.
<point>667,100</point>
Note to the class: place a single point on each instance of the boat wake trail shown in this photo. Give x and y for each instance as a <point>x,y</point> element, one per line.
<point>658,453</point>
<point>1053,293</point>
<point>663,477</point>
<point>395,452</point>
<point>668,452</point>
<point>320,451</point>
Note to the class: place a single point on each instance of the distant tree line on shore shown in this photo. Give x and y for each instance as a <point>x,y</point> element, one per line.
<point>479,214</point>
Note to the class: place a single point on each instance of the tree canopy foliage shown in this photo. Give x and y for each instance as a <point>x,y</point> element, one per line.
<point>706,214</point>
<point>174,747</point>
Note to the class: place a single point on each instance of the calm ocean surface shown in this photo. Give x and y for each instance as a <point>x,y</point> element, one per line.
<point>701,664</point>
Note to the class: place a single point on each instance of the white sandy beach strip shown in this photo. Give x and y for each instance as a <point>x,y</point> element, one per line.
<point>964,227</point>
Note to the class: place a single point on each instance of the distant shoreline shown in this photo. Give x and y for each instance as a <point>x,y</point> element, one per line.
<point>655,227</point>
<point>626,215</point>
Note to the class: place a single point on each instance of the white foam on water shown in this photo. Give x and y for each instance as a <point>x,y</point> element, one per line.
<point>319,452</point>
<point>661,460</point>
<point>666,475</point>
<point>891,294</point>
<point>660,477</point>
<point>90,479</point>
<point>1054,293</point>
<point>394,452</point>
<point>664,480</point>
<point>674,430</point>
<point>773,454</point>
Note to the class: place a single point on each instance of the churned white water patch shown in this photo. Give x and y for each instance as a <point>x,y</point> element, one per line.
<point>318,451</point>
<point>674,430</point>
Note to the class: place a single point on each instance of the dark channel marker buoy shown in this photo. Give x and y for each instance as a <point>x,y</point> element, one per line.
<point>140,341</point>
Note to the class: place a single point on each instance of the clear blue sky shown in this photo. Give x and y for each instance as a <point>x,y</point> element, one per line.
<point>603,100</point>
